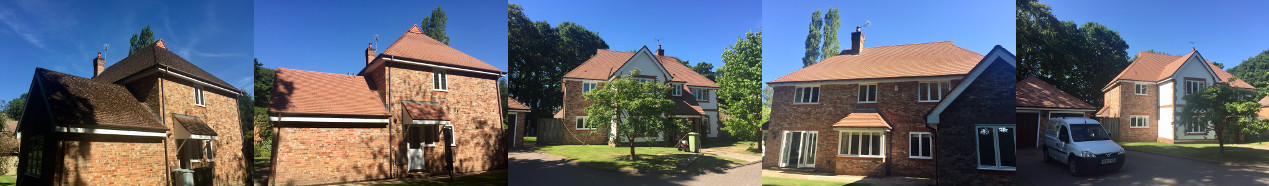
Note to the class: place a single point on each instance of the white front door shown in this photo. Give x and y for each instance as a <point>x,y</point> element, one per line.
<point>414,143</point>
<point>798,149</point>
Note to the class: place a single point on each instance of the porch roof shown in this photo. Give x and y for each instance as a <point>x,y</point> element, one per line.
<point>425,110</point>
<point>863,118</point>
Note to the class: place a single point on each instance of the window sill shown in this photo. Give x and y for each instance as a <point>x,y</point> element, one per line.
<point>1195,133</point>
<point>1145,127</point>
<point>587,129</point>
<point>204,105</point>
<point>928,101</point>
<point>858,156</point>
<point>813,103</point>
<point>1011,169</point>
<point>440,90</point>
<point>921,157</point>
<point>866,102</point>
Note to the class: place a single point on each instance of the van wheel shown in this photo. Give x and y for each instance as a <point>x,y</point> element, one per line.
<point>1045,153</point>
<point>1072,167</point>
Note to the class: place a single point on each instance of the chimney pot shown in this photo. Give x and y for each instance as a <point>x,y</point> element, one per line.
<point>370,53</point>
<point>660,52</point>
<point>99,64</point>
<point>856,42</point>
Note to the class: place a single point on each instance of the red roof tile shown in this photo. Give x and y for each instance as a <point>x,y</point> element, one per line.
<point>419,110</point>
<point>863,118</point>
<point>602,65</point>
<point>415,46</point>
<point>513,104</point>
<point>1033,92</point>
<point>1153,67</point>
<point>194,125</point>
<point>910,60</point>
<point>81,102</point>
<point>320,93</point>
<point>157,56</point>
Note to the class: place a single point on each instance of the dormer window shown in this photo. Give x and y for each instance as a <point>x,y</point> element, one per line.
<point>678,89</point>
<point>198,97</point>
<point>439,81</point>
<point>701,94</point>
<point>1192,87</point>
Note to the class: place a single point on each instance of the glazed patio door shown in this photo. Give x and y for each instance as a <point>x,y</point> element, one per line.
<point>798,149</point>
<point>414,145</point>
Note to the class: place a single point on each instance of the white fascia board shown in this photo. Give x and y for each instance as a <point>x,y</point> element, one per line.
<point>444,67</point>
<point>1107,88</point>
<point>203,137</point>
<point>328,120</point>
<point>868,81</point>
<point>199,82</point>
<point>700,87</point>
<point>585,80</point>
<point>430,122</point>
<point>849,129</point>
<point>107,131</point>
<point>997,52</point>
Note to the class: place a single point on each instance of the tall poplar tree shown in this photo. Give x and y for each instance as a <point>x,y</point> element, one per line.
<point>813,40</point>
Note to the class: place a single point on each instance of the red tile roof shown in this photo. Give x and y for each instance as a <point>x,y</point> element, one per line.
<point>605,62</point>
<point>194,125</point>
<point>910,60</point>
<point>83,102</point>
<point>558,114</point>
<point>415,46</point>
<point>513,104</point>
<point>1153,67</point>
<point>1033,92</point>
<point>420,110</point>
<point>157,56</point>
<point>320,93</point>
<point>864,118</point>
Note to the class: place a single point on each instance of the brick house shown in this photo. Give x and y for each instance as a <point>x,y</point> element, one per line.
<point>1145,96</point>
<point>693,94</point>
<point>132,123</point>
<point>410,110</point>
<point>973,127</point>
<point>1037,101</point>
<point>862,112</point>
<point>516,113</point>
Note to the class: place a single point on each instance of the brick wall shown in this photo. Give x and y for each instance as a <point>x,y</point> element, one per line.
<point>220,112</point>
<point>331,155</point>
<point>91,159</point>
<point>575,105</point>
<point>1133,104</point>
<point>473,105</point>
<point>860,166</point>
<point>989,100</point>
<point>519,128</point>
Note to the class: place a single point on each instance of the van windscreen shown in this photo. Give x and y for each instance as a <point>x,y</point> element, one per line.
<point>1088,132</point>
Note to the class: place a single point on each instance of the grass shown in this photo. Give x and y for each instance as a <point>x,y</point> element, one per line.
<point>261,162</point>
<point>1203,151</point>
<point>651,159</point>
<point>790,181</point>
<point>531,139</point>
<point>8,180</point>
<point>488,179</point>
<point>742,147</point>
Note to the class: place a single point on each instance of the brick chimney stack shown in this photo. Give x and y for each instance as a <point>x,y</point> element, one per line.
<point>370,53</point>
<point>856,41</point>
<point>99,64</point>
<point>660,52</point>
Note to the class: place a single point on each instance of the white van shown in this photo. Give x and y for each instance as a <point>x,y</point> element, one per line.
<point>1082,144</point>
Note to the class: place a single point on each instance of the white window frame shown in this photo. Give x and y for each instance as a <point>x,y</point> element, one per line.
<point>580,125</point>
<point>701,94</point>
<point>1191,128</point>
<point>927,85</point>
<point>587,86</point>
<point>1192,86</point>
<point>453,136</point>
<point>845,142</point>
<point>863,93</point>
<point>199,98</point>
<point>440,80</point>
<point>806,95</point>
<point>1139,121</point>
<point>1140,89</point>
<point>678,89</point>
<point>996,144</point>
<point>919,135</point>
<point>802,146</point>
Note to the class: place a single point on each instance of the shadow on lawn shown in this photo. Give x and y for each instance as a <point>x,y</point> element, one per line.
<point>668,163</point>
<point>1233,155</point>
<point>536,171</point>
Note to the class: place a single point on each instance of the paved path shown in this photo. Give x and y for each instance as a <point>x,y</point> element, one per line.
<point>1142,168</point>
<point>535,168</point>
<point>748,158</point>
<point>823,176</point>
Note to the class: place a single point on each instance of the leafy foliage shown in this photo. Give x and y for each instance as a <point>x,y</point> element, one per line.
<point>263,84</point>
<point>434,25</point>
<point>1255,71</point>
<point>740,84</point>
<point>13,109</point>
<point>635,108</point>
<point>1230,110</point>
<point>140,40</point>
<point>813,38</point>
<point>705,69</point>
<point>832,23</point>
<point>538,55</point>
<point>1079,60</point>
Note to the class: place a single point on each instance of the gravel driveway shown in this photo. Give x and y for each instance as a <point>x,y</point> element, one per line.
<point>1141,168</point>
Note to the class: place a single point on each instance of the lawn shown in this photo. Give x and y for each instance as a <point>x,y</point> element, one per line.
<point>1203,151</point>
<point>261,162</point>
<point>531,139</point>
<point>789,181</point>
<point>651,159</point>
<point>488,179</point>
<point>743,147</point>
<point>8,180</point>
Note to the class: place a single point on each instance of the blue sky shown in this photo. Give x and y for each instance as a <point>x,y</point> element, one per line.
<point>65,36</point>
<point>1226,32</point>
<point>331,36</point>
<point>690,30</point>
<point>977,26</point>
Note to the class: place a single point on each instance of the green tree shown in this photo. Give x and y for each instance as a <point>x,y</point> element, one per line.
<point>813,37</point>
<point>1079,60</point>
<point>14,108</point>
<point>832,23</point>
<point>538,55</point>
<point>1255,71</point>
<point>705,69</point>
<point>434,25</point>
<point>140,40</point>
<point>263,84</point>
<point>636,108</point>
<point>740,85</point>
<point>1229,110</point>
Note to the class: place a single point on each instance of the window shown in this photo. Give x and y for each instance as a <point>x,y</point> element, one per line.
<point>929,91</point>
<point>1194,86</point>
<point>806,95</point>
<point>678,89</point>
<point>705,122</point>
<point>862,144</point>
<point>431,135</point>
<point>1139,121</point>
<point>643,80</point>
<point>920,145</point>
<point>1195,128</point>
<point>581,123</point>
<point>587,86</point>
<point>701,94</point>
<point>198,97</point>
<point>1140,89</point>
<point>453,137</point>
<point>34,156</point>
<point>195,153</point>
<point>868,93</point>
<point>996,147</point>
<point>439,81</point>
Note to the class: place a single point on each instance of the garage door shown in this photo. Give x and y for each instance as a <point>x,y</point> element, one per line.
<point>1028,125</point>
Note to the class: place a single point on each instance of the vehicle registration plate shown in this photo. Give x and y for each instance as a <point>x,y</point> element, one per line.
<point>1108,161</point>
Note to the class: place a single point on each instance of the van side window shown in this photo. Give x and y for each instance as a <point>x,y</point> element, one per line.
<point>1062,135</point>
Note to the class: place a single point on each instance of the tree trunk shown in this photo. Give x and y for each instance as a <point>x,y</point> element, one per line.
<point>1220,140</point>
<point>632,146</point>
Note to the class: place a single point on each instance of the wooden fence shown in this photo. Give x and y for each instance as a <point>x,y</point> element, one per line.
<point>550,131</point>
